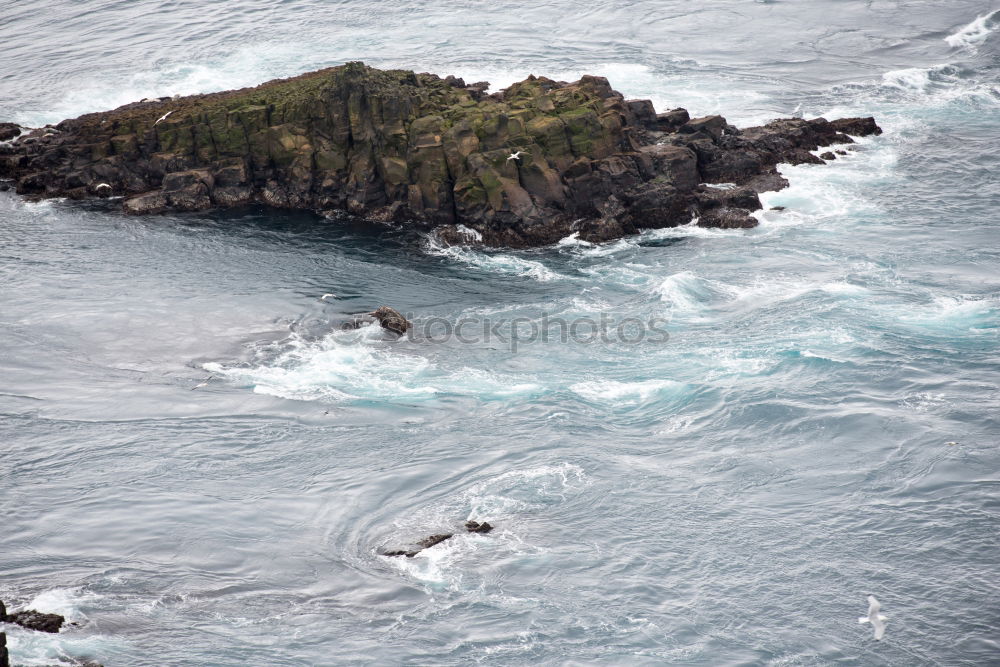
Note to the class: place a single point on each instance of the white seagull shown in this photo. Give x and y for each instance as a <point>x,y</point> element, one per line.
<point>203,384</point>
<point>517,155</point>
<point>162,118</point>
<point>325,296</point>
<point>875,618</point>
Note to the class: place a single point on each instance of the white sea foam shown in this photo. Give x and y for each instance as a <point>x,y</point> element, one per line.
<point>469,233</point>
<point>626,393</point>
<point>68,602</point>
<point>976,32</point>
<point>494,262</point>
<point>687,292</point>
<point>574,240</point>
<point>900,92</point>
<point>951,313</point>
<point>350,366</point>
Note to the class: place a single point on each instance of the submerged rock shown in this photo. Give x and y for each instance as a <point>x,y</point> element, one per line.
<point>33,620</point>
<point>396,146</point>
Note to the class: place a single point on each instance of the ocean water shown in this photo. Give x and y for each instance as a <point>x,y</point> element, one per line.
<point>819,423</point>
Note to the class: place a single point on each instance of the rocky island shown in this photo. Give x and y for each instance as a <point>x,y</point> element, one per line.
<point>397,146</point>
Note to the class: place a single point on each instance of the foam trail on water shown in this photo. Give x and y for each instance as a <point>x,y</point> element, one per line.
<point>502,263</point>
<point>358,365</point>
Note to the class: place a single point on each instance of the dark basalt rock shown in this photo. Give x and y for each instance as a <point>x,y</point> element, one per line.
<point>476,527</point>
<point>828,155</point>
<point>727,218</point>
<point>9,130</point>
<point>33,620</point>
<point>671,120</point>
<point>391,319</point>
<point>4,654</point>
<point>427,542</point>
<point>416,149</point>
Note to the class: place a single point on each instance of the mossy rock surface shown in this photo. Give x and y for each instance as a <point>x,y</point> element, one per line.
<point>416,149</point>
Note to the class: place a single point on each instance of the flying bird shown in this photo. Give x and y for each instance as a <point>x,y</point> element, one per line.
<point>162,118</point>
<point>325,296</point>
<point>516,156</point>
<point>203,384</point>
<point>102,185</point>
<point>876,619</point>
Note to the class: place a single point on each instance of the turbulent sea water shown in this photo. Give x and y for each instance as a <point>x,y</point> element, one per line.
<point>821,425</point>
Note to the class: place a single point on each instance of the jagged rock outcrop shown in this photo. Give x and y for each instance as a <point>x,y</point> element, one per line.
<point>33,620</point>
<point>419,149</point>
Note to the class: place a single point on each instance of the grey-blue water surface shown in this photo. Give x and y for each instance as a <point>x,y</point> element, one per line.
<point>821,425</point>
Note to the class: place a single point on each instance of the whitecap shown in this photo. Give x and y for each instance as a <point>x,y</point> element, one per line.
<point>686,292</point>
<point>975,32</point>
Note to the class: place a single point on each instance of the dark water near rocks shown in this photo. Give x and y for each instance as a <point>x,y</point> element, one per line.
<point>727,497</point>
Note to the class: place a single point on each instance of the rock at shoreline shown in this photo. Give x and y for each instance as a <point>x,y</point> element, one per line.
<point>4,655</point>
<point>416,149</point>
<point>728,218</point>
<point>9,130</point>
<point>33,620</point>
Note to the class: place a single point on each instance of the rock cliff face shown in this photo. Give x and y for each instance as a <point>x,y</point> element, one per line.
<point>418,149</point>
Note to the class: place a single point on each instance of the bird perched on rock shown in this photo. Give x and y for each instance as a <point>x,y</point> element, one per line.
<point>876,619</point>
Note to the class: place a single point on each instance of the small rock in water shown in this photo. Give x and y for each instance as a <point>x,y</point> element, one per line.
<point>476,527</point>
<point>777,208</point>
<point>4,655</point>
<point>828,156</point>
<point>391,319</point>
<point>427,542</point>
